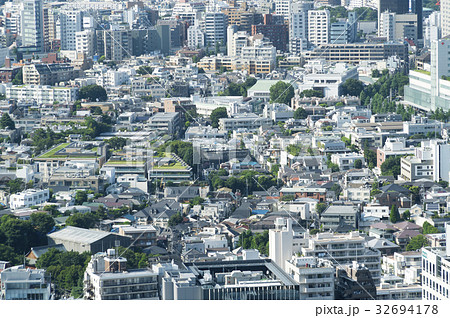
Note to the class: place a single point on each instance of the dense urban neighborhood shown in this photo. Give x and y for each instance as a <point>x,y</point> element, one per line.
<point>225,150</point>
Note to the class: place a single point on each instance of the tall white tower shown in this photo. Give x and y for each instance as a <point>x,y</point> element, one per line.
<point>280,242</point>
<point>445,17</point>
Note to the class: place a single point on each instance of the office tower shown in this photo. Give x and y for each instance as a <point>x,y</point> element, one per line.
<point>71,23</point>
<point>318,27</point>
<point>32,28</point>
<point>436,270</point>
<point>417,8</point>
<point>298,26</point>
<point>281,242</point>
<point>215,28</point>
<point>445,17</point>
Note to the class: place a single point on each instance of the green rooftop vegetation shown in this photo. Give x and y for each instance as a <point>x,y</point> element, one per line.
<point>51,152</point>
<point>423,72</point>
<point>124,162</point>
<point>172,166</point>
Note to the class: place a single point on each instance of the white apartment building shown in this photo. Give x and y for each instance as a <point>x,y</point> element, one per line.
<point>315,276</point>
<point>432,28</point>
<point>245,121</point>
<point>436,270</point>
<point>346,161</point>
<point>28,198</point>
<point>298,26</point>
<point>19,283</point>
<point>84,42</point>
<point>445,17</point>
<point>107,278</point>
<point>134,181</point>
<point>387,25</point>
<point>195,37</point>
<point>399,263</point>
<point>356,194</point>
<point>343,249</point>
<point>70,23</point>
<point>259,51</point>
<point>373,210</point>
<point>42,94</point>
<point>236,40</point>
<point>318,27</point>
<point>283,7</point>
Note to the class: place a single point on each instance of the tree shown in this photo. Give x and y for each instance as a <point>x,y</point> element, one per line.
<point>336,188</point>
<point>81,197</point>
<point>175,219</point>
<point>144,70</point>
<point>216,114</point>
<point>417,243</point>
<point>429,229</point>
<point>42,222</point>
<point>197,201</point>
<point>7,122</point>
<point>358,164</point>
<point>93,93</point>
<point>15,185</point>
<point>19,234</point>
<point>376,73</point>
<point>18,79</point>
<point>117,142</point>
<point>83,220</point>
<point>281,92</point>
<point>320,207</point>
<point>300,113</point>
<point>406,215</point>
<point>7,254</point>
<point>394,215</point>
<point>311,93</point>
<point>352,87</point>
<point>391,166</point>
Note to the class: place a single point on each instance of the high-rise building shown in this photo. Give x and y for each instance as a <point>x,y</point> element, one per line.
<point>319,27</point>
<point>417,8</point>
<point>343,32</point>
<point>298,26</point>
<point>71,23</point>
<point>84,42</point>
<point>277,33</point>
<point>445,17</point>
<point>32,25</point>
<point>397,6</point>
<point>386,25</point>
<point>432,30</point>
<point>436,270</point>
<point>195,37</point>
<point>281,242</point>
<point>215,28</point>
<point>283,7</point>
<point>236,40</point>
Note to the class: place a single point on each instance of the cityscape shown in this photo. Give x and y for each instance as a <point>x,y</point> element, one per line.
<point>225,150</point>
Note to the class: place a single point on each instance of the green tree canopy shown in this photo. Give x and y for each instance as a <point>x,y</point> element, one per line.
<point>394,215</point>
<point>358,164</point>
<point>417,243</point>
<point>281,92</point>
<point>391,166</point>
<point>216,114</point>
<point>311,93</point>
<point>117,142</point>
<point>429,229</point>
<point>352,87</point>
<point>81,197</point>
<point>93,93</point>
<point>175,219</point>
<point>300,113</point>
<point>7,122</point>
<point>83,220</point>
<point>42,222</point>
